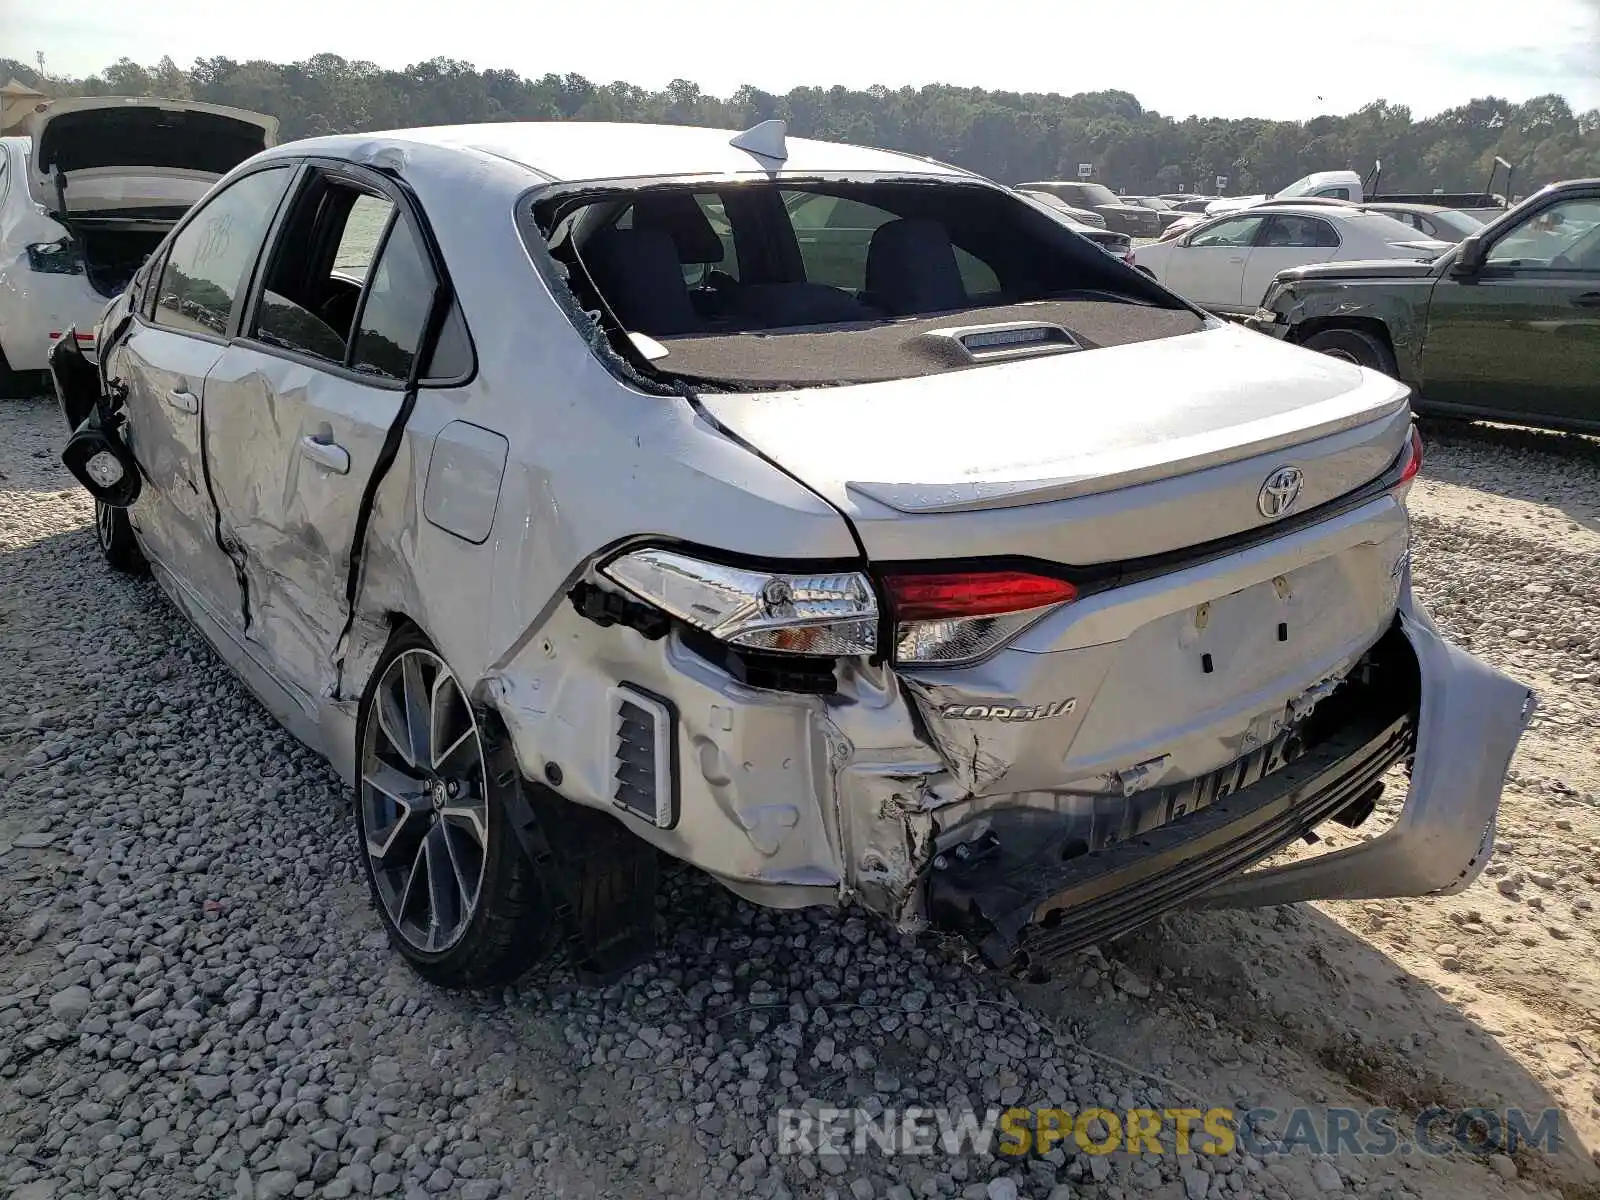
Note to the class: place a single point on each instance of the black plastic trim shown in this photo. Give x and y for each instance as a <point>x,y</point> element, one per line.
<point>674,778</point>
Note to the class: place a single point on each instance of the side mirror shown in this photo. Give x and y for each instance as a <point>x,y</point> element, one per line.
<point>100,460</point>
<point>1469,259</point>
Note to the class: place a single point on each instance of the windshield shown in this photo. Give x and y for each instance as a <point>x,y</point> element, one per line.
<point>1298,188</point>
<point>1458,222</point>
<point>1099,193</point>
<point>711,272</point>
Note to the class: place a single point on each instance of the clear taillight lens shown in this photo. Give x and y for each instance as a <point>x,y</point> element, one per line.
<point>951,619</point>
<point>832,613</point>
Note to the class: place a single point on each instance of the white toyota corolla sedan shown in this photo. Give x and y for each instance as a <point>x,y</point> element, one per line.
<point>1226,263</point>
<point>835,520</point>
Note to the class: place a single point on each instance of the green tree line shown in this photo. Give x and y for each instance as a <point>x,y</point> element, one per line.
<point>1010,136</point>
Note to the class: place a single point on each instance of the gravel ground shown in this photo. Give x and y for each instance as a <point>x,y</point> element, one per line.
<point>196,1001</point>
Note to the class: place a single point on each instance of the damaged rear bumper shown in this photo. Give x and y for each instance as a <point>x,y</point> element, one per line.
<point>1459,718</point>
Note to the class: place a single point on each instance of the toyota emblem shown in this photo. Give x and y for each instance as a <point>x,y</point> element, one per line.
<point>1280,491</point>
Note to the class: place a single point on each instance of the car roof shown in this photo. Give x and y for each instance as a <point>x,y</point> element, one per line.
<point>576,151</point>
<point>1282,208</point>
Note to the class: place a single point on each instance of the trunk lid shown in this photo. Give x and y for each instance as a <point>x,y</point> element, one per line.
<point>119,152</point>
<point>1093,457</point>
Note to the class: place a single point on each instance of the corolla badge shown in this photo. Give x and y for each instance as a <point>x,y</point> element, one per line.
<point>1007,712</point>
<point>1280,491</point>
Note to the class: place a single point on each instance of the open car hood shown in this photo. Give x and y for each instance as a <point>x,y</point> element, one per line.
<point>1048,428</point>
<point>120,152</point>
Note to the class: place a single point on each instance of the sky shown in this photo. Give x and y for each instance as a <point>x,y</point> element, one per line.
<point>1225,58</point>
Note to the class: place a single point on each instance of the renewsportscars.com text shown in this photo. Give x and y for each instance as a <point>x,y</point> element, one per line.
<point>1259,1131</point>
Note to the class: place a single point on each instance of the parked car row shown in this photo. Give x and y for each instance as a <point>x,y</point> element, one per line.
<point>1118,245</point>
<point>834,520</point>
<point>1226,263</point>
<point>1120,213</point>
<point>1504,325</point>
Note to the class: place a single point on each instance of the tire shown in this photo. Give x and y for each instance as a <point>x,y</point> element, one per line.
<point>1354,346</point>
<point>456,824</point>
<point>118,546</point>
<point>17,385</point>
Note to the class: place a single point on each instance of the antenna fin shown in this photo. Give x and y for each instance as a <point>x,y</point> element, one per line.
<point>765,140</point>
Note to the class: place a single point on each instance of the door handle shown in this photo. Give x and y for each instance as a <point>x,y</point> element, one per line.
<point>182,399</point>
<point>326,454</point>
<point>1587,300</point>
<point>1236,260</point>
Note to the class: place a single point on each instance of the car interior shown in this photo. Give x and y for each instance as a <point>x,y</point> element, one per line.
<point>759,257</point>
<point>774,283</point>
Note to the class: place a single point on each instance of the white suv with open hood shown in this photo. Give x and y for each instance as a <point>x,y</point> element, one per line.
<point>92,189</point>
<point>834,520</point>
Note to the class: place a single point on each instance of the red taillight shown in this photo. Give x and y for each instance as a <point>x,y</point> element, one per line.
<point>1413,462</point>
<point>973,594</point>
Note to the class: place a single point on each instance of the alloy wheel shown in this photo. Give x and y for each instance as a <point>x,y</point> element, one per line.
<point>424,801</point>
<point>104,524</point>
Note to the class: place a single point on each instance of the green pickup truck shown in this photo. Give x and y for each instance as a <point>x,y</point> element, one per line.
<point>1505,326</point>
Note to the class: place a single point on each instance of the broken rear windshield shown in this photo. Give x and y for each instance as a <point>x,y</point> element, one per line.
<point>774,283</point>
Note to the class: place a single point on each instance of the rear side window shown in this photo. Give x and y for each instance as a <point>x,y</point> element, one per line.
<point>324,256</point>
<point>395,313</point>
<point>835,237</point>
<point>209,258</point>
<point>834,233</point>
<point>1240,231</point>
<point>350,284</point>
<point>1298,232</point>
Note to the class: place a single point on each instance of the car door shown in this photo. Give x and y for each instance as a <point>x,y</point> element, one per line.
<point>1521,335</point>
<point>301,406</point>
<point>1285,240</point>
<point>1208,265</point>
<point>162,362</point>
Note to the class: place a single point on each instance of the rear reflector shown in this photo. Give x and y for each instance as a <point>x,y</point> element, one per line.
<point>973,594</point>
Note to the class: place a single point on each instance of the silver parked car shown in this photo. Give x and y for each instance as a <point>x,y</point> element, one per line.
<point>833,520</point>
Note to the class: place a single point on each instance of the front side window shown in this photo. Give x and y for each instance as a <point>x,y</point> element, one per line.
<point>1240,231</point>
<point>210,256</point>
<point>1563,237</point>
